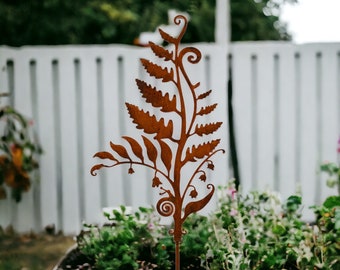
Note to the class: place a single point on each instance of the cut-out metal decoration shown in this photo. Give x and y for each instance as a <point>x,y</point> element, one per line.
<point>167,147</point>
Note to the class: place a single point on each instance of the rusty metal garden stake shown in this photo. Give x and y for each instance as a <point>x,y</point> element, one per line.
<point>166,153</point>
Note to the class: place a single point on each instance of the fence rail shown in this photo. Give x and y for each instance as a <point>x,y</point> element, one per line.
<point>287,118</point>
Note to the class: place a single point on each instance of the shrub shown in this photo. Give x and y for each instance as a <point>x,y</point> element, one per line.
<point>256,231</point>
<point>126,242</point>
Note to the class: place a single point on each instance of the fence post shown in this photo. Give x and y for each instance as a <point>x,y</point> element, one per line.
<point>222,22</point>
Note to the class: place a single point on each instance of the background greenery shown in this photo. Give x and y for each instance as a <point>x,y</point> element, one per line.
<point>51,22</point>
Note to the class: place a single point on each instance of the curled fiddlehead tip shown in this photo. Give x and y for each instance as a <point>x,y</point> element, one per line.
<point>178,20</point>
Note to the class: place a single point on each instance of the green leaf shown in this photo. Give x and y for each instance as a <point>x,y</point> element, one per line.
<point>331,202</point>
<point>105,235</point>
<point>278,229</point>
<point>107,215</point>
<point>337,218</point>
<point>293,203</point>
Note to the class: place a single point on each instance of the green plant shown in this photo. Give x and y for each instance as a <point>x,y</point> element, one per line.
<point>18,149</point>
<point>333,171</point>
<point>328,240</point>
<point>256,231</point>
<point>328,216</point>
<point>138,241</point>
<point>193,245</point>
<point>252,232</point>
<point>127,242</point>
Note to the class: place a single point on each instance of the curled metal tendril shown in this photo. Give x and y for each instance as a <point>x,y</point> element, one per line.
<point>177,20</point>
<point>210,186</point>
<point>194,57</point>
<point>165,207</point>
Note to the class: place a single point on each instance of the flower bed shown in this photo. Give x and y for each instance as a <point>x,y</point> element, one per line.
<point>256,231</point>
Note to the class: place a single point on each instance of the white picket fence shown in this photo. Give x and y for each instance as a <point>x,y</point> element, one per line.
<point>286,103</point>
<point>287,112</point>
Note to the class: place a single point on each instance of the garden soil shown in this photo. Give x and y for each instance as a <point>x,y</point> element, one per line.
<point>33,251</point>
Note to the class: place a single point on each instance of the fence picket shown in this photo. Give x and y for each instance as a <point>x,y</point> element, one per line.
<point>243,102</point>
<point>310,77</point>
<point>114,185</point>
<point>216,78</point>
<point>286,100</point>
<point>46,131</point>
<point>22,212</point>
<point>69,148</point>
<point>89,134</point>
<point>265,117</point>
<point>330,119</point>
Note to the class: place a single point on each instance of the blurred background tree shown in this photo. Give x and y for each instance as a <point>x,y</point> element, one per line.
<point>52,22</point>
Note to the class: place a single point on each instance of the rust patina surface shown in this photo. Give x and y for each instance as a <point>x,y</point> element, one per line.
<point>166,146</point>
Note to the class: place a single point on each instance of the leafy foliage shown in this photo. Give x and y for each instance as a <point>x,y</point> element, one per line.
<point>18,153</point>
<point>256,231</point>
<point>121,21</point>
<point>127,242</point>
<point>333,171</point>
<point>258,20</point>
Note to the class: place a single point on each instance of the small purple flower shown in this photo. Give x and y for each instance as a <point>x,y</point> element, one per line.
<point>151,226</point>
<point>233,212</point>
<point>232,193</point>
